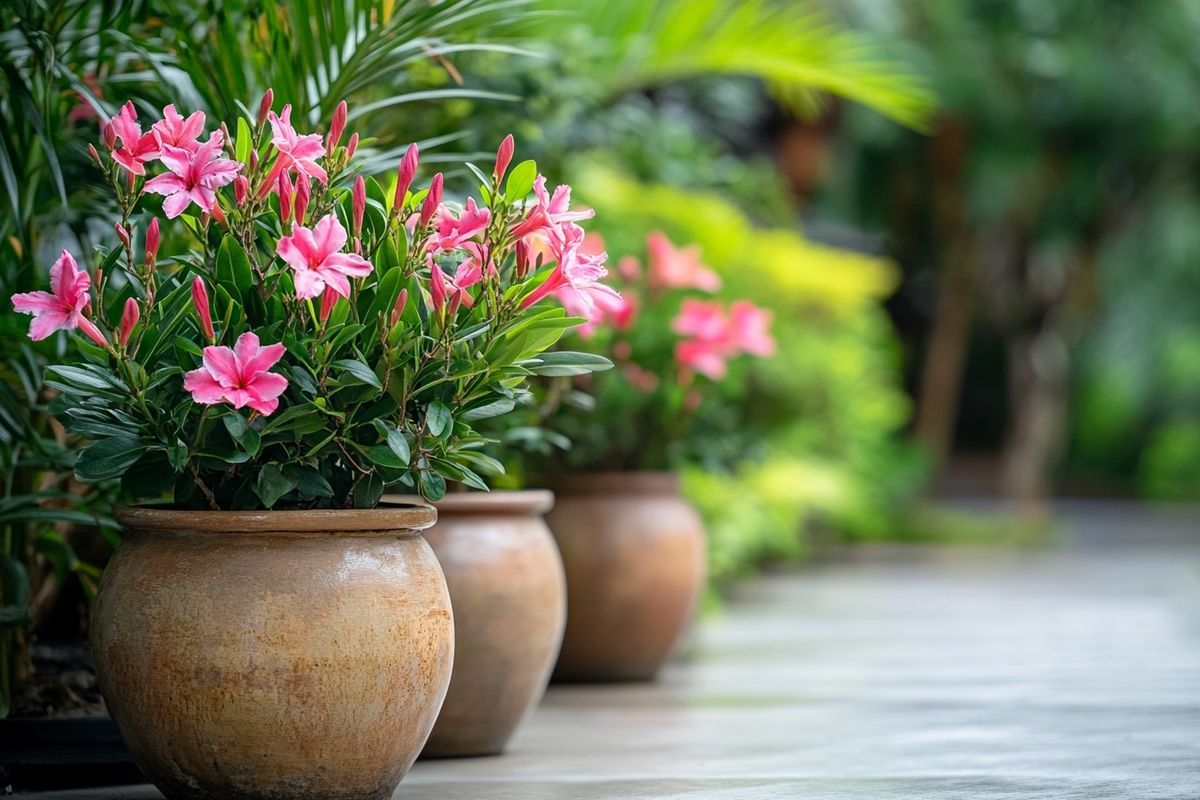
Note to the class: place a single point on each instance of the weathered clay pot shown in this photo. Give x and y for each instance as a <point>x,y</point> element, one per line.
<point>506,586</point>
<point>633,549</point>
<point>285,655</point>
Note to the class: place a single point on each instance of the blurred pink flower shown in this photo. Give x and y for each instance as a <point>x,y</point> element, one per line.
<point>749,328</point>
<point>606,307</point>
<point>176,131</point>
<point>60,309</point>
<point>296,152</point>
<point>194,177</point>
<point>641,379</point>
<point>315,255</point>
<point>136,147</point>
<point>85,110</point>
<point>674,267</point>
<point>239,376</point>
<point>453,232</point>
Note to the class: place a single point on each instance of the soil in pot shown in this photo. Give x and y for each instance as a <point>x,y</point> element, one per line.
<point>634,554</point>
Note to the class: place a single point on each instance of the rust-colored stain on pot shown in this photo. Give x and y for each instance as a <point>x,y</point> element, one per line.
<point>506,585</point>
<point>274,664</point>
<point>633,550</point>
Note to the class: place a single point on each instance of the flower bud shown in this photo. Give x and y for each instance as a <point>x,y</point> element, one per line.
<point>398,308</point>
<point>264,105</point>
<point>153,237</point>
<point>227,139</point>
<point>286,192</point>
<point>452,306</point>
<point>93,333</point>
<point>329,299</point>
<point>303,195</point>
<point>336,127</point>
<point>129,320</point>
<point>253,160</point>
<point>437,286</point>
<point>524,262</point>
<point>404,177</point>
<point>200,301</point>
<point>358,203</point>
<point>122,234</point>
<point>504,156</point>
<point>352,146</point>
<point>94,155</point>
<point>109,132</point>
<point>241,188</point>
<point>432,200</point>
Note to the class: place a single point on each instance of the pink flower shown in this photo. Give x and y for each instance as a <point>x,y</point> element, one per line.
<point>748,326</point>
<point>606,307</point>
<point>575,271</point>
<point>453,288</point>
<point>194,177</point>
<point>136,147</point>
<point>239,376</point>
<point>453,232</point>
<point>60,309</point>
<point>678,268</point>
<point>296,152</point>
<point>176,131</point>
<point>315,255</point>
<point>550,212</point>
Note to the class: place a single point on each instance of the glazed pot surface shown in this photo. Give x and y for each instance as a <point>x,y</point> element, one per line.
<point>633,549</point>
<point>507,588</point>
<point>274,656</point>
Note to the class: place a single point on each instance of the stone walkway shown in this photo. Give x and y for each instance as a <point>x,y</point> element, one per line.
<point>1071,671</point>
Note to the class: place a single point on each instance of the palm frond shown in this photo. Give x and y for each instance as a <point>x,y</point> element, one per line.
<point>798,51</point>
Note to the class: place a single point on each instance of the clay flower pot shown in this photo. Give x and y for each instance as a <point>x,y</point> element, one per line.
<point>633,549</point>
<point>506,586</point>
<point>284,655</point>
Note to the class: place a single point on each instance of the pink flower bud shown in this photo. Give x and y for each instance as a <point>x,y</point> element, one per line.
<point>253,160</point>
<point>358,203</point>
<point>241,188</point>
<point>303,195</point>
<point>432,200</point>
<point>122,234</point>
<point>329,299</point>
<point>200,301</point>
<point>336,126</point>
<point>504,156</point>
<point>524,262</point>
<point>398,308</point>
<point>452,306</point>
<point>286,192</point>
<point>109,132</point>
<point>153,237</point>
<point>129,320</point>
<point>93,333</point>
<point>264,105</point>
<point>404,177</point>
<point>437,286</point>
<point>352,146</point>
<point>94,155</point>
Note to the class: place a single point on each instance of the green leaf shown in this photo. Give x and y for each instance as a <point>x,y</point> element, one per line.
<point>309,482</point>
<point>109,458</point>
<point>272,484</point>
<point>150,476</point>
<point>564,363</point>
<point>520,181</point>
<point>367,491</point>
<point>438,418</point>
<point>233,269</point>
<point>360,371</point>
<point>85,380</point>
<point>433,485</point>
<point>384,456</point>
<point>395,440</point>
<point>494,408</point>
<point>242,149</point>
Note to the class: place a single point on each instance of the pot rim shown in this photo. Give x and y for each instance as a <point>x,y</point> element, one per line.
<point>636,482</point>
<point>517,501</point>
<point>388,518</point>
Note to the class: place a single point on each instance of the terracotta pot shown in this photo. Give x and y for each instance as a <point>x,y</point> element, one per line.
<point>634,553</point>
<point>285,655</point>
<point>506,586</point>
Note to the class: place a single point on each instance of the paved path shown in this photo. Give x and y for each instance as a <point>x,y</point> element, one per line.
<point>1067,672</point>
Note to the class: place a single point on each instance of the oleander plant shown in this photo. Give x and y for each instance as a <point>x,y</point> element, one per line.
<point>324,335</point>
